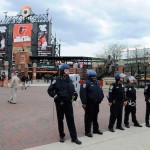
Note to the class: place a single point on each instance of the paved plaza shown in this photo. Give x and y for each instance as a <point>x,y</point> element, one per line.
<point>32,121</point>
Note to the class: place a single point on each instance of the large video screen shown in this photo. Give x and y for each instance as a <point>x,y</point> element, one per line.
<point>3,29</point>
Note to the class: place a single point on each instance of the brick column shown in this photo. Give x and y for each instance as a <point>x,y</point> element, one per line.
<point>121,66</point>
<point>94,66</point>
<point>26,69</point>
<point>75,66</point>
<point>34,72</point>
<point>5,80</point>
<point>22,67</point>
<point>19,68</point>
<point>6,63</point>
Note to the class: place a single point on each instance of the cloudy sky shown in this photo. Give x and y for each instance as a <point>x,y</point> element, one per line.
<point>85,26</point>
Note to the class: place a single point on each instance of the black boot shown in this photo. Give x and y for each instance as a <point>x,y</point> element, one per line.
<point>76,141</point>
<point>127,126</point>
<point>137,125</point>
<point>89,134</point>
<point>111,129</point>
<point>148,125</point>
<point>62,139</point>
<point>98,132</point>
<point>120,128</point>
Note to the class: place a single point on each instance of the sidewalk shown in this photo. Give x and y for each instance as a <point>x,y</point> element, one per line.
<point>32,122</point>
<point>133,138</point>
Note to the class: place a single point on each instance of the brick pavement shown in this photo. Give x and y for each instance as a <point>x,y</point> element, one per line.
<point>30,122</point>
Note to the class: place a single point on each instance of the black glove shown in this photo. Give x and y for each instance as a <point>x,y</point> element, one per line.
<point>146,98</point>
<point>75,96</point>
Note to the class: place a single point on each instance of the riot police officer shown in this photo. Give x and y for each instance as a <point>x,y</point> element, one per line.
<point>91,95</point>
<point>131,104</point>
<point>63,92</point>
<point>147,99</point>
<point>116,100</point>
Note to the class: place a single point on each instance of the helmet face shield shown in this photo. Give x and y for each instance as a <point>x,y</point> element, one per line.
<point>64,66</point>
<point>92,73</point>
<point>120,77</point>
<point>130,79</point>
<point>66,71</point>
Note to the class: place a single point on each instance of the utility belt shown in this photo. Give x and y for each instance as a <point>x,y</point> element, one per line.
<point>115,101</point>
<point>130,103</point>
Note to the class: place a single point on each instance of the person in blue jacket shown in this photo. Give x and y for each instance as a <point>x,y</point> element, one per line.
<point>63,92</point>
<point>91,95</point>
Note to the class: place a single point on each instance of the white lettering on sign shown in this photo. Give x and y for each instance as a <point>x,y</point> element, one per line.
<point>43,27</point>
<point>3,29</point>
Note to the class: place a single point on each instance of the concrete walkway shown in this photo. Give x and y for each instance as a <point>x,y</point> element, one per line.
<point>133,138</point>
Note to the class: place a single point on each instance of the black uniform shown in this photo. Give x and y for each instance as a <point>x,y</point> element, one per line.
<point>131,105</point>
<point>63,92</point>
<point>91,94</point>
<point>147,99</point>
<point>117,98</point>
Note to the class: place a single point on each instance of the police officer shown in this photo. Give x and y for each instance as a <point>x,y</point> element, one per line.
<point>147,99</point>
<point>63,92</point>
<point>131,104</point>
<point>116,100</point>
<point>91,95</point>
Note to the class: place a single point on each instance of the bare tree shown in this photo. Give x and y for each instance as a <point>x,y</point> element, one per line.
<point>114,50</point>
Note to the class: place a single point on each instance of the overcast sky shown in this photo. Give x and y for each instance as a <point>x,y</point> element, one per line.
<point>86,26</point>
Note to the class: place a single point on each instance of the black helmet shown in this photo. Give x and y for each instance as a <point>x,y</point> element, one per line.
<point>118,76</point>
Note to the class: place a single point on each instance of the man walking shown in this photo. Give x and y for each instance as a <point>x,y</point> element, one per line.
<point>14,85</point>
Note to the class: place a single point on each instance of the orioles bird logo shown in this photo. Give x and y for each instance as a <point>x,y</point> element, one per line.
<point>22,30</point>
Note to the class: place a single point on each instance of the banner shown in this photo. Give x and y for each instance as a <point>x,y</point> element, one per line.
<point>42,36</point>
<point>43,32</point>
<point>3,29</point>
<point>22,37</point>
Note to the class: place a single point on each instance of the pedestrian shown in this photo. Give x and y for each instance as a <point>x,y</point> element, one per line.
<point>116,100</point>
<point>27,81</point>
<point>147,99</point>
<point>63,92</point>
<point>23,80</point>
<point>91,95</point>
<point>131,104</point>
<point>14,85</point>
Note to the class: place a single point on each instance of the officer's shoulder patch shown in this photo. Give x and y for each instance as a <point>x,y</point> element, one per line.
<point>54,82</point>
<point>146,87</point>
<point>84,85</point>
<point>122,85</point>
